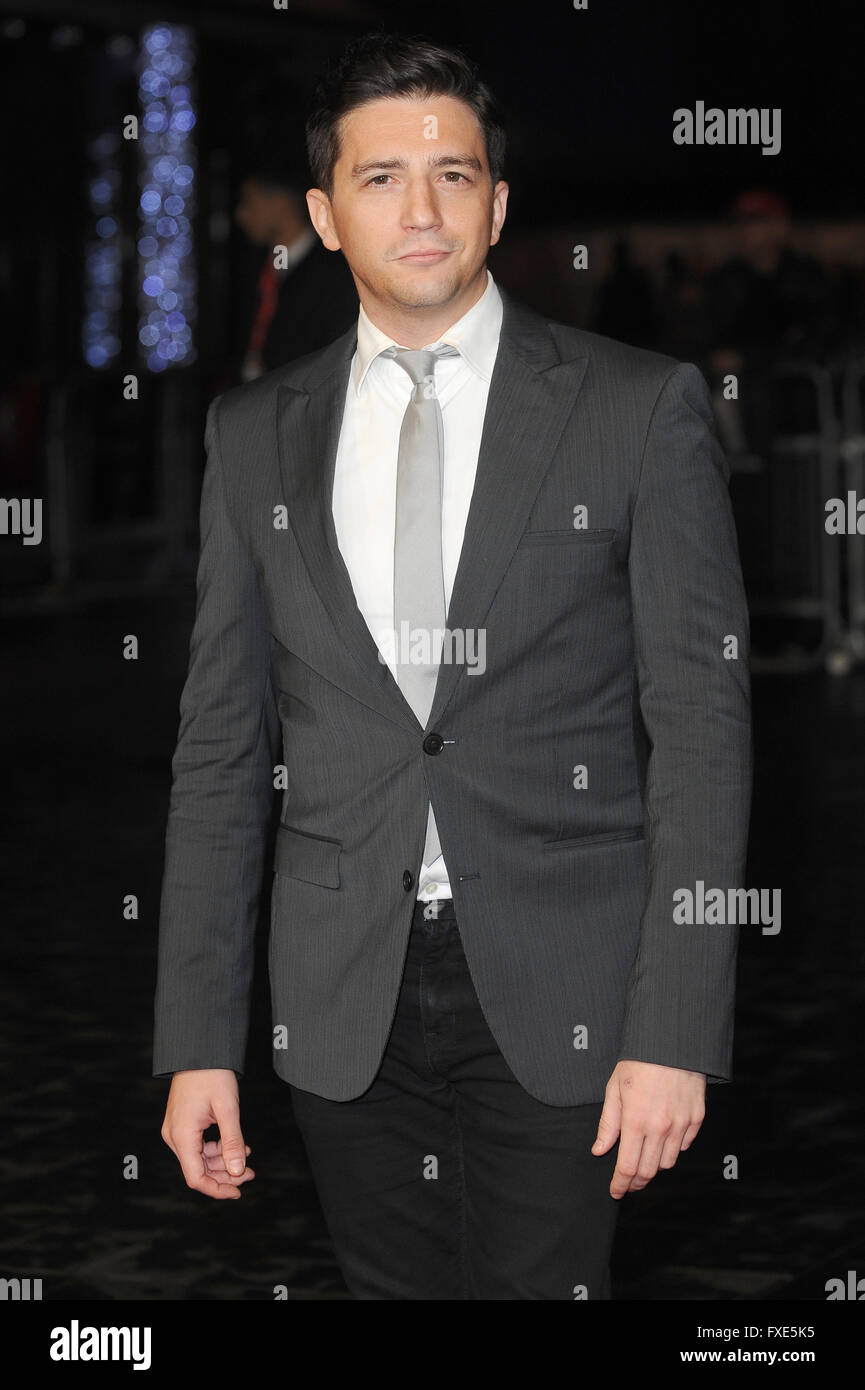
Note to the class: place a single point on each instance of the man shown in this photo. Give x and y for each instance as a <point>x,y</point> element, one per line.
<point>766,305</point>
<point>304,297</point>
<point>475,968</point>
<point>768,301</point>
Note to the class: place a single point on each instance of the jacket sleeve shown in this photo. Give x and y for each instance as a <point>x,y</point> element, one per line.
<point>221,800</point>
<point>690,617</point>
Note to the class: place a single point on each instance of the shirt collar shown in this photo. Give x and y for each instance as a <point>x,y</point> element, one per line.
<point>299,247</point>
<point>476,335</point>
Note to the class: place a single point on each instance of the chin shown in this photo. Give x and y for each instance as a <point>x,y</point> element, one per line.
<point>425,290</point>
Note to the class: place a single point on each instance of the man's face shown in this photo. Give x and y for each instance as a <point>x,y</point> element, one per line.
<point>257,212</point>
<point>412,209</point>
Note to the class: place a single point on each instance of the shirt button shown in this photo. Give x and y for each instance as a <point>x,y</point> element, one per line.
<point>430,887</point>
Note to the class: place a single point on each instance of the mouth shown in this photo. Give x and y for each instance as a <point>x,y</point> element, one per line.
<point>424,257</point>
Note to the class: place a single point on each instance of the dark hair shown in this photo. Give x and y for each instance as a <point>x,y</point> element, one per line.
<point>394,65</point>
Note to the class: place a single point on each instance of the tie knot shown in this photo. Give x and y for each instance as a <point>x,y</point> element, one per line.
<point>420,362</point>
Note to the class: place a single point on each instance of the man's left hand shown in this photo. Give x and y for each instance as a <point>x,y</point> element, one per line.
<point>657,1111</point>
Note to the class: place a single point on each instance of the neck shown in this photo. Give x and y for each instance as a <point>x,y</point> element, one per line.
<point>414,327</point>
<point>287,232</point>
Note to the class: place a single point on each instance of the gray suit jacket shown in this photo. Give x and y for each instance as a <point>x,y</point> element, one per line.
<point>605,649</point>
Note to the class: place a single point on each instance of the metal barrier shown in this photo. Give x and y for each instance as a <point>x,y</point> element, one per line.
<point>121,482</point>
<point>852,451</point>
<point>802,562</point>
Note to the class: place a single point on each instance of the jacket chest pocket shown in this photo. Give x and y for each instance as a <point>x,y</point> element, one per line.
<point>572,537</point>
<point>308,857</point>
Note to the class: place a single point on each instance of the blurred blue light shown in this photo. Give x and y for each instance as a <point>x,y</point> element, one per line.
<point>157,37</point>
<point>100,323</point>
<point>167,156</point>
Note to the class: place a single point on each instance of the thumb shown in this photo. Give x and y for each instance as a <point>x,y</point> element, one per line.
<point>231,1139</point>
<point>609,1124</point>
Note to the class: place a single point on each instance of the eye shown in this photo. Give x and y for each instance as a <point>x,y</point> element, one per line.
<point>456,174</point>
<point>376,177</point>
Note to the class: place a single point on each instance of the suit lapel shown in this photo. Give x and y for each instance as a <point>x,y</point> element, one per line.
<point>309,423</point>
<point>532,392</point>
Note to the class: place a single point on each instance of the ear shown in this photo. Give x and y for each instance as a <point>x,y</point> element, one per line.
<point>321,216</point>
<point>500,203</point>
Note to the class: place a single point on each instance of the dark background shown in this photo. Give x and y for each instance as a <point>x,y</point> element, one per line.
<point>87,737</point>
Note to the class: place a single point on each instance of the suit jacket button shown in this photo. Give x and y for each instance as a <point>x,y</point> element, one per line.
<point>433,743</point>
<point>407,879</point>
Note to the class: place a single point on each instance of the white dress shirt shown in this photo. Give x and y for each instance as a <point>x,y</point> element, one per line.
<point>364,485</point>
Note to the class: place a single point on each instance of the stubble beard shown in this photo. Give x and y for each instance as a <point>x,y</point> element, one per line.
<point>424,296</point>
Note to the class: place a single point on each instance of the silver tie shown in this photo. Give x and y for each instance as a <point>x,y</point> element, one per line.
<point>418,577</point>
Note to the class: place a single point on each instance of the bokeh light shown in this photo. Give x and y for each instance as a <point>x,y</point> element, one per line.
<point>103,261</point>
<point>166,251</point>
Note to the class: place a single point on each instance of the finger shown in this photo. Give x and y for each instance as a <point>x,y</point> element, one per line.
<point>219,1159</point>
<point>191,1159</point>
<point>216,1168</point>
<point>215,1164</point>
<point>233,1149</point>
<point>214,1146</point>
<point>231,1179</point>
<point>671,1150</point>
<point>609,1124</point>
<point>691,1133</point>
<point>627,1162</point>
<point>648,1165</point>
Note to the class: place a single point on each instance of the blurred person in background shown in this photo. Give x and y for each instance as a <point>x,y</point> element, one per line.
<point>304,295</point>
<point>682,330</point>
<point>626,306</point>
<point>768,303</point>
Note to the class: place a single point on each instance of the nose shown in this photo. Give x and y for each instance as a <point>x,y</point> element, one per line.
<point>420,210</point>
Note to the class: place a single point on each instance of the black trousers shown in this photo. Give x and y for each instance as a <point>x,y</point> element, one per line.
<point>445,1179</point>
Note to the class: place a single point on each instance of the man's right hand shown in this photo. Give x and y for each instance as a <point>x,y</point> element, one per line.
<point>196,1100</point>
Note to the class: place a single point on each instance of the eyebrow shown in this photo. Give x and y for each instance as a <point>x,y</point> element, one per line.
<point>435,161</point>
